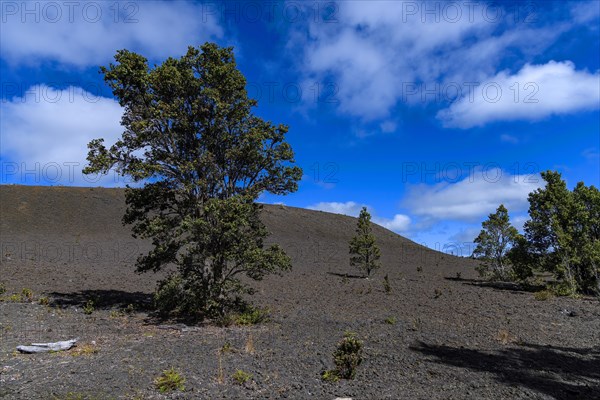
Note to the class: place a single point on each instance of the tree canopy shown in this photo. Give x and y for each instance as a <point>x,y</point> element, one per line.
<point>204,158</point>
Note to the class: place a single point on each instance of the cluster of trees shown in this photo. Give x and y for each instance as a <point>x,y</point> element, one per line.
<point>562,236</point>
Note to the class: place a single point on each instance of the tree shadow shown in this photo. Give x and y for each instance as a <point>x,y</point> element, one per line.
<point>509,286</point>
<point>103,299</point>
<point>349,276</point>
<point>557,372</point>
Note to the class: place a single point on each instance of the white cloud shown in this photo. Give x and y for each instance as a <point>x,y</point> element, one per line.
<point>535,92</point>
<point>591,154</point>
<point>506,138</point>
<point>349,208</point>
<point>89,33</point>
<point>471,198</point>
<point>375,51</point>
<point>45,135</point>
<point>399,223</point>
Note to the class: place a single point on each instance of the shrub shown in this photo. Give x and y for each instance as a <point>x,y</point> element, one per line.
<point>330,376</point>
<point>169,296</point>
<point>251,316</point>
<point>390,320</point>
<point>169,380</point>
<point>88,307</point>
<point>543,295</point>
<point>386,284</point>
<point>241,377</point>
<point>26,294</point>
<point>348,356</point>
<point>2,289</point>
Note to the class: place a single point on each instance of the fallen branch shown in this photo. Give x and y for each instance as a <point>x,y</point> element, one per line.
<point>46,347</point>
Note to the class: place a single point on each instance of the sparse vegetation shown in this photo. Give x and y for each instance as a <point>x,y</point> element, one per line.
<point>543,295</point>
<point>251,316</point>
<point>330,375</point>
<point>2,288</point>
<point>387,287</point>
<point>87,349</point>
<point>505,337</point>
<point>89,307</point>
<point>226,348</point>
<point>240,377</point>
<point>249,348</point>
<point>347,357</point>
<point>170,380</point>
<point>391,320</point>
<point>364,251</point>
<point>27,294</point>
<point>44,301</point>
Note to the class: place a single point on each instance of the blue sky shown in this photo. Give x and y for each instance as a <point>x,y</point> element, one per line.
<point>431,114</point>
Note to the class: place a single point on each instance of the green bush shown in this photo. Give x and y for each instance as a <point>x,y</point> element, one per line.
<point>330,375</point>
<point>241,377</point>
<point>169,380</point>
<point>348,356</point>
<point>390,320</point>
<point>89,308</point>
<point>543,295</point>
<point>251,316</point>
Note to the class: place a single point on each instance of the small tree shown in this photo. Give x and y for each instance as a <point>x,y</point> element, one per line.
<point>347,357</point>
<point>494,242</point>
<point>204,158</point>
<point>365,253</point>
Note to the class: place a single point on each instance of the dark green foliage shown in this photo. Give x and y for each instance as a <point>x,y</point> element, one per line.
<point>564,233</point>
<point>520,259</point>
<point>493,244</point>
<point>364,252</point>
<point>204,158</point>
<point>386,284</point>
<point>348,356</point>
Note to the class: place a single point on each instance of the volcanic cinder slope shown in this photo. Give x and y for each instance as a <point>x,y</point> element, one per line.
<point>440,334</point>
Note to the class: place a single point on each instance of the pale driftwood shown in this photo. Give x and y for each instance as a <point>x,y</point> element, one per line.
<point>46,347</point>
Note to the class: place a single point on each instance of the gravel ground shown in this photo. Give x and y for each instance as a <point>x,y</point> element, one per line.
<point>452,336</point>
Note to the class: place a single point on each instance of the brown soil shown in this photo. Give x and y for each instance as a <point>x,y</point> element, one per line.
<point>454,336</point>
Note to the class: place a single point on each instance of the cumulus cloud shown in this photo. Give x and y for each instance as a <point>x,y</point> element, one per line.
<point>88,33</point>
<point>45,134</point>
<point>473,197</point>
<point>535,92</point>
<point>395,52</point>
<point>399,223</point>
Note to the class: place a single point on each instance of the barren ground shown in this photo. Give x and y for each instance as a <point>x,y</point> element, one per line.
<point>454,337</point>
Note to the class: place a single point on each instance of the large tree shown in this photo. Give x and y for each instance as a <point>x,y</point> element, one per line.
<point>494,243</point>
<point>364,251</point>
<point>203,158</point>
<point>564,232</point>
